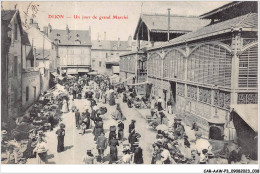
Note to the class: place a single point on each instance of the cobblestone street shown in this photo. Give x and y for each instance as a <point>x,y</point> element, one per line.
<point>76,144</point>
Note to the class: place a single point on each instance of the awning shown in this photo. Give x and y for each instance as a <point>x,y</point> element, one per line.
<point>55,74</point>
<point>142,83</point>
<point>60,77</point>
<point>83,70</point>
<point>93,73</point>
<point>128,78</point>
<point>72,71</point>
<point>114,76</point>
<point>248,112</point>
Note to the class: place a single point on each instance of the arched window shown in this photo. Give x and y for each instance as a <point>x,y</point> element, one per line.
<point>173,65</point>
<point>210,64</point>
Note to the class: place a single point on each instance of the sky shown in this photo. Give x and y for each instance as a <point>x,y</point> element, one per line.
<point>114,28</point>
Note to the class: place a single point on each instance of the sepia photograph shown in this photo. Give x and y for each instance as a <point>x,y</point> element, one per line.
<point>133,82</point>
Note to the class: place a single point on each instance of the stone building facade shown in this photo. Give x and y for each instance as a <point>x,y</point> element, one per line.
<point>11,66</point>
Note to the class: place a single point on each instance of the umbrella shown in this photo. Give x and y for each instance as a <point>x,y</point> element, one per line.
<point>162,127</point>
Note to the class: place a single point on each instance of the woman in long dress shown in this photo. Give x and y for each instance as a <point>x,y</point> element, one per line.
<point>41,150</point>
<point>112,101</point>
<point>113,150</point>
<point>98,129</point>
<point>60,136</point>
<point>65,106</point>
<point>160,102</point>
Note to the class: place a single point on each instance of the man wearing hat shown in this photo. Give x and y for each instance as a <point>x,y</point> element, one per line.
<point>77,116</point>
<point>132,126</point>
<point>120,130</point>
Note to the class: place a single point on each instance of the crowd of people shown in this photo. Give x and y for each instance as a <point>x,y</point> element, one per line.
<point>27,139</point>
<point>96,92</point>
<point>172,145</point>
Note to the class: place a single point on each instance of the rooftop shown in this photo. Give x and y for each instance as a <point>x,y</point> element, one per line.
<point>7,15</point>
<point>247,22</point>
<point>111,45</point>
<point>70,37</point>
<point>231,10</point>
<point>42,55</point>
<point>178,24</point>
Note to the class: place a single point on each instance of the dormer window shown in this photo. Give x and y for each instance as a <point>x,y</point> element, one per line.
<point>77,35</point>
<point>78,42</point>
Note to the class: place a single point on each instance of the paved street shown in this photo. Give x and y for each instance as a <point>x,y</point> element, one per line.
<point>77,144</point>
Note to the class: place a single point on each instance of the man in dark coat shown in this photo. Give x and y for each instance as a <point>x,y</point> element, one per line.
<point>61,133</point>
<point>74,92</point>
<point>132,126</point>
<point>129,102</point>
<point>124,97</point>
<point>120,130</point>
<point>77,116</point>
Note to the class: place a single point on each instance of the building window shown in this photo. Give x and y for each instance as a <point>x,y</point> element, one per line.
<point>106,55</point>
<point>93,63</point>
<point>100,63</point>
<point>15,65</point>
<point>27,93</point>
<point>15,32</point>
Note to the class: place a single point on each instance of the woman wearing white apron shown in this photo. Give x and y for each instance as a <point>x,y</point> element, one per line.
<point>65,106</point>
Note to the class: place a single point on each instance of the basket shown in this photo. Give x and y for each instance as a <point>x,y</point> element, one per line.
<point>112,128</point>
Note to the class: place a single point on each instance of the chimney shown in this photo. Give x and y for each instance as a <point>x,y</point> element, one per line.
<point>49,28</point>
<point>130,41</point>
<point>45,30</point>
<point>67,32</point>
<point>105,35</point>
<point>89,31</point>
<point>118,43</point>
<point>169,16</point>
<point>67,29</point>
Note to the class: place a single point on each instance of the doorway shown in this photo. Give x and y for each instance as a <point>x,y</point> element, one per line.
<point>165,98</point>
<point>173,94</point>
<point>34,93</point>
<point>215,133</point>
